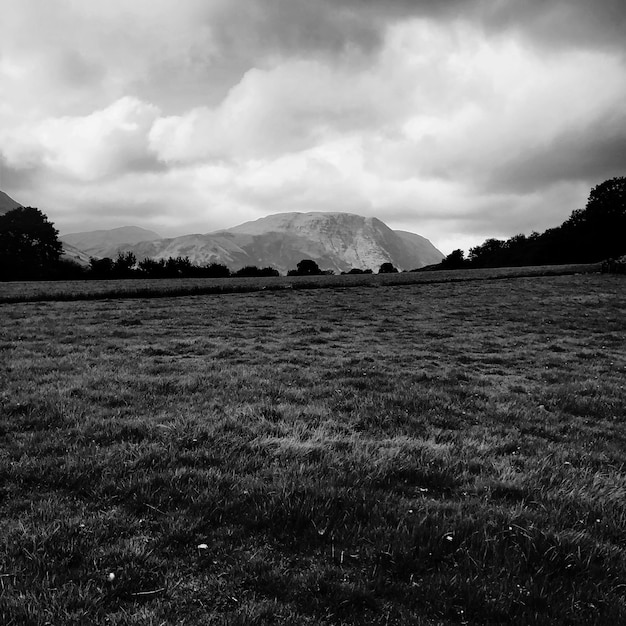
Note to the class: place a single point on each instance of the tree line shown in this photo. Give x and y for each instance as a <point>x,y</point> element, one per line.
<point>127,266</point>
<point>589,235</point>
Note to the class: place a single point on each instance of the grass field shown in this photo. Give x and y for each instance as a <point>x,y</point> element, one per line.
<point>415,454</point>
<point>40,291</point>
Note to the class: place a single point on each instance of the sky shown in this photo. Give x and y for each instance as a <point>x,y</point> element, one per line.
<point>459,120</point>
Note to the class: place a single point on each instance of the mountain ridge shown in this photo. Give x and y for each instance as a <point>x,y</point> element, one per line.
<point>7,203</point>
<point>336,241</point>
<point>98,243</point>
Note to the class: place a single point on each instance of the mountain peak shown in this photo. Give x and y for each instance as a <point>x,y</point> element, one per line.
<point>7,203</point>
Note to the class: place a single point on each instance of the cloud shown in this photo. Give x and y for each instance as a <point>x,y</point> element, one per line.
<point>588,153</point>
<point>561,23</point>
<point>453,118</point>
<point>289,108</point>
<point>111,141</point>
<point>489,103</point>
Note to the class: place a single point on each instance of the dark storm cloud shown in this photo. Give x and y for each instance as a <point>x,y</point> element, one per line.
<point>572,23</point>
<point>579,155</point>
<point>599,24</point>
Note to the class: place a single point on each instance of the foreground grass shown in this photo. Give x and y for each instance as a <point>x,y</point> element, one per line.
<point>425,454</point>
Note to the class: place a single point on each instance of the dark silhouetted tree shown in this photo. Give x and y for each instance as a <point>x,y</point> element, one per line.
<point>101,268</point>
<point>29,245</point>
<point>214,270</point>
<point>455,260</point>
<point>152,268</point>
<point>306,267</point>
<point>253,270</point>
<point>598,230</point>
<point>388,268</point>
<point>178,267</point>
<point>488,254</point>
<point>124,265</point>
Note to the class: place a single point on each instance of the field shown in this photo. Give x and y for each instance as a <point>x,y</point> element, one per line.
<point>426,454</point>
<point>39,291</point>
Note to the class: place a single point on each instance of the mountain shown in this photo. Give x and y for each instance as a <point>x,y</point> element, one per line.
<point>7,203</point>
<point>337,241</point>
<point>100,243</point>
<point>70,253</point>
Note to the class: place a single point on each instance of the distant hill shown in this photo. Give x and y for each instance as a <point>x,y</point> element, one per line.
<point>7,203</point>
<point>101,243</point>
<point>336,241</point>
<point>74,254</point>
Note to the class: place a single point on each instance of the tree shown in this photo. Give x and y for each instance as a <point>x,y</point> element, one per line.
<point>29,245</point>
<point>124,265</point>
<point>178,267</point>
<point>388,268</point>
<point>214,270</point>
<point>100,268</point>
<point>489,254</point>
<point>152,268</point>
<point>455,260</point>
<point>253,270</point>
<point>306,267</point>
<point>599,228</point>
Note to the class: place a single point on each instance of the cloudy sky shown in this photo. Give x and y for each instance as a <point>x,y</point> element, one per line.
<point>456,119</point>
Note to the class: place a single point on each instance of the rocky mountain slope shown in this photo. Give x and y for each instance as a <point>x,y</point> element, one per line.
<point>336,241</point>
<point>100,243</point>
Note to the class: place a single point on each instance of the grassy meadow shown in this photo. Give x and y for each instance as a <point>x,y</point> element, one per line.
<point>66,290</point>
<point>416,454</point>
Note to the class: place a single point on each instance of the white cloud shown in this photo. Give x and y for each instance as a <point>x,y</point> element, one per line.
<point>290,107</point>
<point>111,141</point>
<point>428,123</point>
